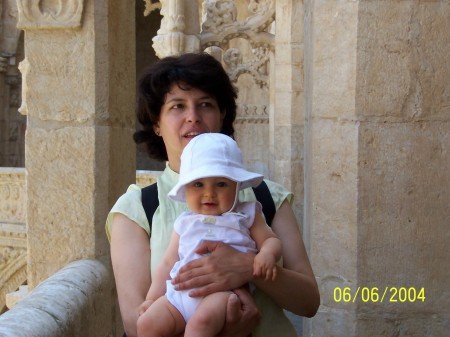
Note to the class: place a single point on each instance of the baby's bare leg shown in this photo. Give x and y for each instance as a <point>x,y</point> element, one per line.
<point>209,317</point>
<point>161,319</point>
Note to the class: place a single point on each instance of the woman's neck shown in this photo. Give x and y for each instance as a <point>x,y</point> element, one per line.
<point>174,164</point>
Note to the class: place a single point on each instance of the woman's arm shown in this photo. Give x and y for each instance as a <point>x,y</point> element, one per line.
<point>295,287</point>
<point>130,256</point>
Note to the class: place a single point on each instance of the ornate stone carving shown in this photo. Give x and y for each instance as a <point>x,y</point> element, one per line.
<point>248,113</point>
<point>13,259</point>
<point>256,67</point>
<point>172,38</point>
<point>12,195</point>
<point>45,14</point>
<point>220,24</point>
<point>217,15</point>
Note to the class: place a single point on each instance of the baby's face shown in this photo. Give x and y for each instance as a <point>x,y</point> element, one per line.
<point>211,196</point>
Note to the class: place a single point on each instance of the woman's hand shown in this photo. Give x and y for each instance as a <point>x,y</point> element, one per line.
<point>242,315</point>
<point>224,269</point>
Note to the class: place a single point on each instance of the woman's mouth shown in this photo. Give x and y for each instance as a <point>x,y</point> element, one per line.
<point>192,134</point>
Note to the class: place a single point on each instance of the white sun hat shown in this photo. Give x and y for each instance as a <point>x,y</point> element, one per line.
<point>212,155</point>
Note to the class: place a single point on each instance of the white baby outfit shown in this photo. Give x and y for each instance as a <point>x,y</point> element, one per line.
<point>231,228</point>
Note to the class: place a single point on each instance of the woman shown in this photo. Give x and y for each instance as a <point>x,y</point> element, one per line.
<point>178,99</point>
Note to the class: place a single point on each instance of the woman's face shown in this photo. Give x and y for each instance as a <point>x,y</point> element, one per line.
<point>184,115</point>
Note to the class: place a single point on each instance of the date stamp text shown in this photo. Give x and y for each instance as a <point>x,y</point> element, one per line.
<point>379,295</point>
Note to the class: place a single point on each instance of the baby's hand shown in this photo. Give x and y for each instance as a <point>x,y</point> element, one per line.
<point>264,266</point>
<point>144,306</point>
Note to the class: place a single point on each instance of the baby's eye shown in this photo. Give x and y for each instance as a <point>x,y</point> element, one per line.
<point>197,184</point>
<point>221,184</point>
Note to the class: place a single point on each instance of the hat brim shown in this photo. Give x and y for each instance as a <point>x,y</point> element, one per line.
<point>242,176</point>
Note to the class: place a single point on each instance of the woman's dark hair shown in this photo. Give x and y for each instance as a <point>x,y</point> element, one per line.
<point>200,71</point>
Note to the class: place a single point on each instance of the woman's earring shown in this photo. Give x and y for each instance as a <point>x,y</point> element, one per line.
<point>157,133</point>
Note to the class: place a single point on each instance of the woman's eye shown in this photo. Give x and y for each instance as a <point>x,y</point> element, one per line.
<point>177,106</point>
<point>205,105</point>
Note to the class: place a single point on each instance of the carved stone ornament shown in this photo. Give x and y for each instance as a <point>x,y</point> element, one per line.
<point>13,259</point>
<point>12,195</point>
<point>49,14</point>
<point>172,38</point>
<point>220,24</point>
<point>255,114</point>
<point>257,67</point>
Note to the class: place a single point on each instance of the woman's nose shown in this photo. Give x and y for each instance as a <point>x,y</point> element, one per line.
<point>192,114</point>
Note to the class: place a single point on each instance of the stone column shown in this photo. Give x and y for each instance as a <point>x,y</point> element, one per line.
<point>377,165</point>
<point>180,28</point>
<point>287,116</point>
<point>331,159</point>
<point>78,95</point>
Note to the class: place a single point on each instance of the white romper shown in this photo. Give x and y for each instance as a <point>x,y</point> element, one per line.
<point>231,228</point>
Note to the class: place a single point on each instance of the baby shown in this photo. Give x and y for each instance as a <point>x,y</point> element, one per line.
<point>211,176</point>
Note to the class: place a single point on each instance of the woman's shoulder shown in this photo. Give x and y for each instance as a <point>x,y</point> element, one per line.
<point>130,198</point>
<point>130,205</point>
<point>278,193</point>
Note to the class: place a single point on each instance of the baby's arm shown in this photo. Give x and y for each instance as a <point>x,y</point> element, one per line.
<point>162,274</point>
<point>269,249</point>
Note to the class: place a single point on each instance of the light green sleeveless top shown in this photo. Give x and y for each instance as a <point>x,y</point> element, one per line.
<point>273,321</point>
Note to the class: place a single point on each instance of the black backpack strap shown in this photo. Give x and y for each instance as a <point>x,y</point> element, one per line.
<point>150,201</point>
<point>262,194</point>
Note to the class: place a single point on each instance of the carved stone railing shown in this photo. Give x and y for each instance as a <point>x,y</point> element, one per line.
<point>13,235</point>
<point>12,195</point>
<point>75,301</point>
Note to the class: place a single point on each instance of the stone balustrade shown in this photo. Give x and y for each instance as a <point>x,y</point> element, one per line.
<point>12,195</point>
<point>13,240</point>
<point>75,301</point>
<point>13,235</point>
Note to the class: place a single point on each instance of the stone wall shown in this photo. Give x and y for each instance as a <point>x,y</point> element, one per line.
<point>403,103</point>
<point>377,159</point>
